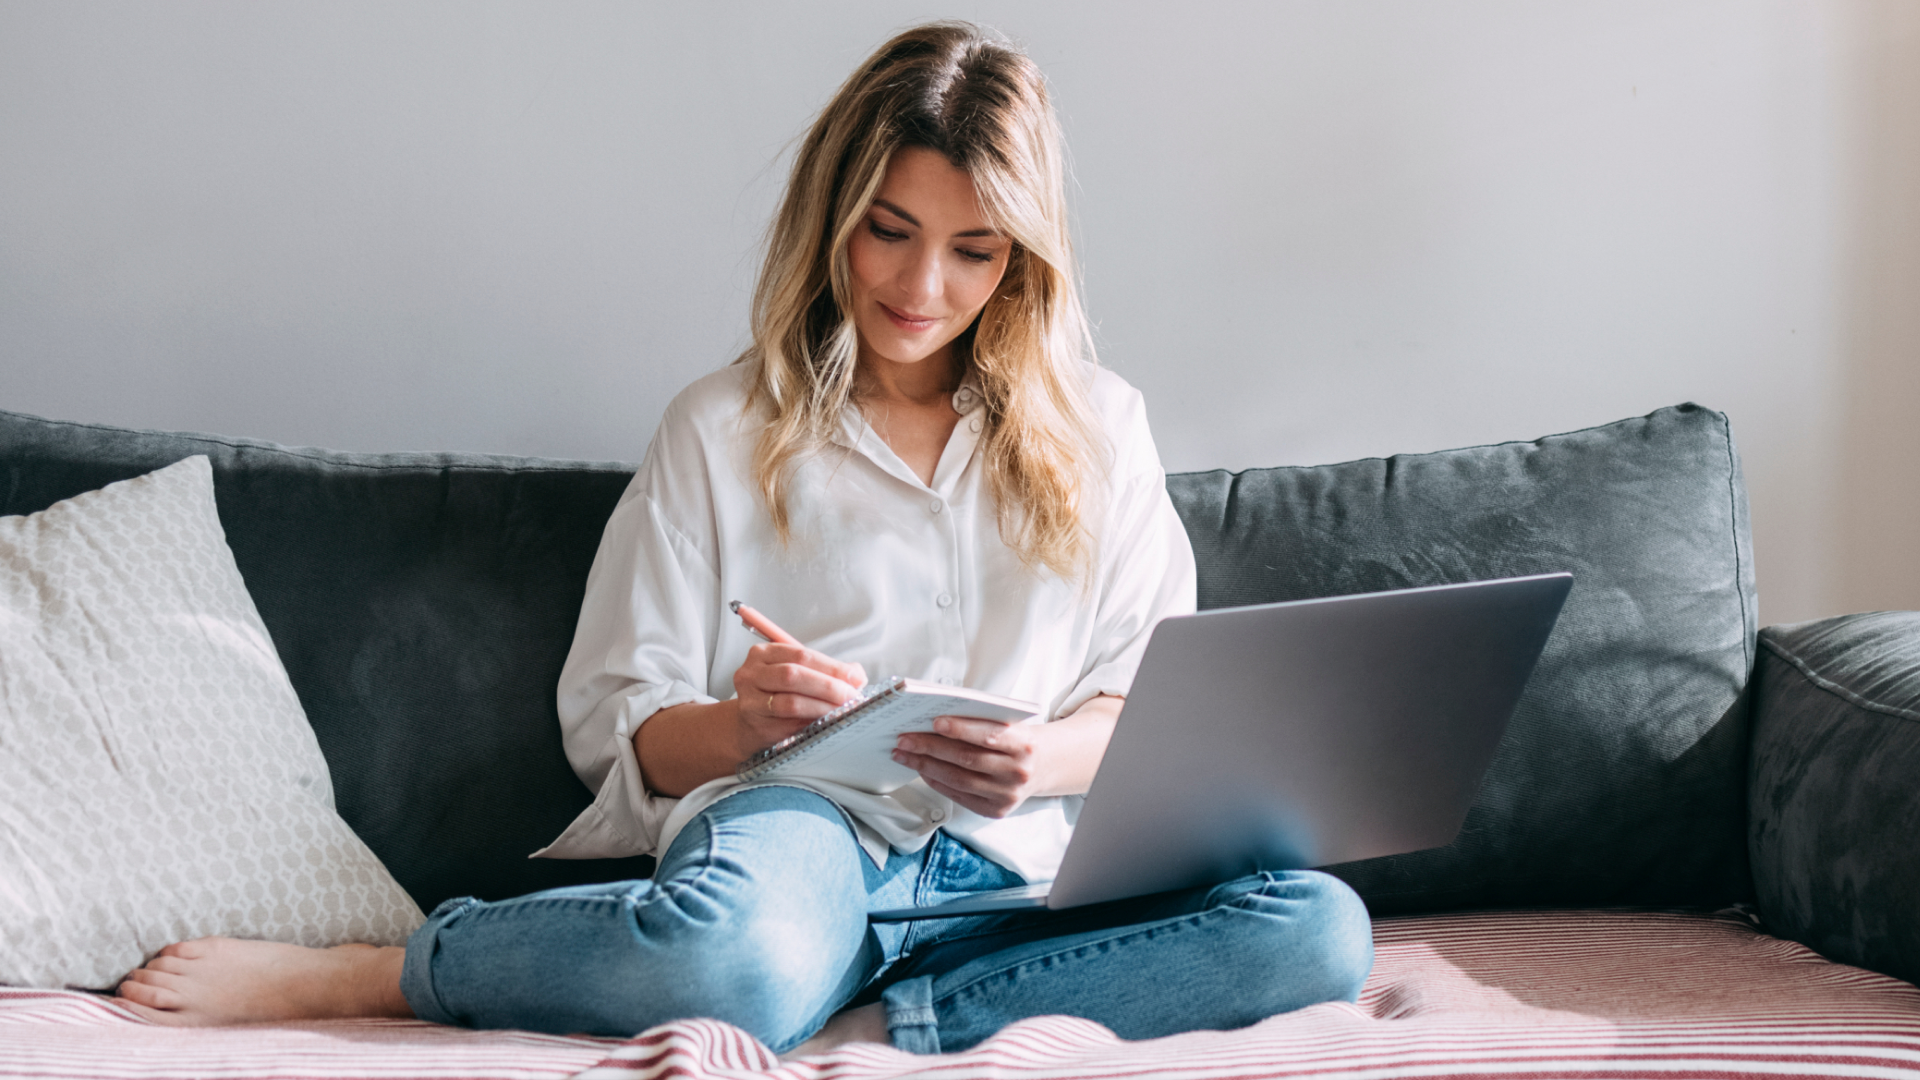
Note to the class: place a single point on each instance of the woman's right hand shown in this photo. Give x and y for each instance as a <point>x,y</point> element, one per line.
<point>783,688</point>
<point>777,691</point>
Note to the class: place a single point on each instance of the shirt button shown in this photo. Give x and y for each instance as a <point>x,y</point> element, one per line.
<point>973,426</point>
<point>936,816</point>
<point>936,506</point>
<point>945,600</point>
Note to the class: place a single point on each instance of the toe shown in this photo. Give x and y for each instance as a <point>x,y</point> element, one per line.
<point>146,992</point>
<point>171,965</point>
<point>147,976</point>
<point>189,950</point>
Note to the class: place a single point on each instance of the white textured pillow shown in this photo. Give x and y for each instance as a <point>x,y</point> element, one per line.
<point>158,778</point>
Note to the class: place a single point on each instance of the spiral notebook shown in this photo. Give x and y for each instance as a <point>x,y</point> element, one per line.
<point>853,744</point>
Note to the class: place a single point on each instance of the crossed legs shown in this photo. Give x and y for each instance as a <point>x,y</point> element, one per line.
<point>757,916</point>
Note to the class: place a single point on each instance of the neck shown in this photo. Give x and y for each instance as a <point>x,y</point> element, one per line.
<point>920,382</point>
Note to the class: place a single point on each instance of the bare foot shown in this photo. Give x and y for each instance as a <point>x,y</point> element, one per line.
<point>211,981</point>
<point>868,1024</point>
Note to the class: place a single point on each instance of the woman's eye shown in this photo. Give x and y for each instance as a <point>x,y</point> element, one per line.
<point>881,232</point>
<point>975,256</point>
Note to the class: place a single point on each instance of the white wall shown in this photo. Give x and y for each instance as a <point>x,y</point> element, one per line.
<point>1312,230</point>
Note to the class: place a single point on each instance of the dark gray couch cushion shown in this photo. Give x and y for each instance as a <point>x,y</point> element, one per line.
<point>1621,777</point>
<point>1835,787</point>
<point>422,604</point>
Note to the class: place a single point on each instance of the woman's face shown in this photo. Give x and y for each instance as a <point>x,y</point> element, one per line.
<point>924,261</point>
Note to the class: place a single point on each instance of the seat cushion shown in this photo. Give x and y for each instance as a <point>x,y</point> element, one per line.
<point>1621,778</point>
<point>1595,994</point>
<point>422,605</point>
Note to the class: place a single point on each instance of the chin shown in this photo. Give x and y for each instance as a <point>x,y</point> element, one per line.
<point>903,352</point>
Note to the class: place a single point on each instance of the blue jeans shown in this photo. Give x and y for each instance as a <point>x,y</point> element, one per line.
<point>757,916</point>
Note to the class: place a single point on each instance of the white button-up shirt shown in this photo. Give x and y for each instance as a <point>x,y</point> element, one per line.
<point>898,575</point>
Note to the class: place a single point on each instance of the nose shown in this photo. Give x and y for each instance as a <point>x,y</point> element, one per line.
<point>920,280</point>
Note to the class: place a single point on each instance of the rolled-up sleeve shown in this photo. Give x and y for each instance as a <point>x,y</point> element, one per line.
<point>1146,563</point>
<point>643,644</point>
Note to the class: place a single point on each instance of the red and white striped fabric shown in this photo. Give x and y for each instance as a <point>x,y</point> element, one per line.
<point>1508,995</point>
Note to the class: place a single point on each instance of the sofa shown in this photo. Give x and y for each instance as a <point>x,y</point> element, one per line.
<point>1697,852</point>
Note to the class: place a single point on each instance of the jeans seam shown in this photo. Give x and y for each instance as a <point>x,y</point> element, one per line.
<point>1268,879</point>
<point>1121,936</point>
<point>660,892</point>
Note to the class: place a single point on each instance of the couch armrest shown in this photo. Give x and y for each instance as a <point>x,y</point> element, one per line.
<point>1834,787</point>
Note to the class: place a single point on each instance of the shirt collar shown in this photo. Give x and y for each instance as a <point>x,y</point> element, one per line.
<point>856,434</point>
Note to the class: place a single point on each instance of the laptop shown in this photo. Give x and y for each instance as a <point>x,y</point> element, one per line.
<point>1307,733</point>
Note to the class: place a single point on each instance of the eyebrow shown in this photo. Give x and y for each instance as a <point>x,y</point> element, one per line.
<point>915,222</point>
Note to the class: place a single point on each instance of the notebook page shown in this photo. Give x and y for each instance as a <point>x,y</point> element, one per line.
<point>859,753</point>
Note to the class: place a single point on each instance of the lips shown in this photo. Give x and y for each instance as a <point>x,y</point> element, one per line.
<point>910,322</point>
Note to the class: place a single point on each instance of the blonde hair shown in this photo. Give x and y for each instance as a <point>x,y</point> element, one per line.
<point>951,88</point>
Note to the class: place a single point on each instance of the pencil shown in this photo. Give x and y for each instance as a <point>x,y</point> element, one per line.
<point>762,625</point>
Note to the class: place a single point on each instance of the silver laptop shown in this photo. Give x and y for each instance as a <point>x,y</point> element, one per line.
<point>1293,735</point>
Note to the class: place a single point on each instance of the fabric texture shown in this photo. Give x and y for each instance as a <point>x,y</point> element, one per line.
<point>759,909</point>
<point>61,1035</point>
<point>158,780</point>
<point>421,604</point>
<point>1834,792</point>
<point>900,576</point>
<point>1524,994</point>
<point>1621,778</point>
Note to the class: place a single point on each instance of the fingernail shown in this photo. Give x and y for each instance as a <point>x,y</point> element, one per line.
<point>900,756</point>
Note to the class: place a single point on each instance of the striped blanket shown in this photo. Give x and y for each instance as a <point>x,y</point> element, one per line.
<point>1512,995</point>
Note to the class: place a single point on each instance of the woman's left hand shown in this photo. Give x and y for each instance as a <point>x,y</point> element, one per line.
<point>992,768</point>
<point>987,767</point>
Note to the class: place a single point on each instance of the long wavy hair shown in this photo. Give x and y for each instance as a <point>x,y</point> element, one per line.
<point>957,89</point>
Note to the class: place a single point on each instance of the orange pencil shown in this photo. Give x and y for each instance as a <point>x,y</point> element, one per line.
<point>762,625</point>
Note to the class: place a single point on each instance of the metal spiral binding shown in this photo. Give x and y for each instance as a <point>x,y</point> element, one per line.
<point>816,730</point>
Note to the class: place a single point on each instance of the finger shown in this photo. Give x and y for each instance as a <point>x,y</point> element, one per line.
<point>796,709</point>
<point>993,806</point>
<point>802,681</point>
<point>852,674</point>
<point>988,733</point>
<point>937,772</point>
<point>1002,767</point>
<point>959,776</point>
<point>805,657</point>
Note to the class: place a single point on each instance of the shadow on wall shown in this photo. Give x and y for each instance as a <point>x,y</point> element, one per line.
<point>1877,528</point>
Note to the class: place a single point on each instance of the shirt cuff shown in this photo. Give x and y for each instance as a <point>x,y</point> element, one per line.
<point>625,818</point>
<point>1114,678</point>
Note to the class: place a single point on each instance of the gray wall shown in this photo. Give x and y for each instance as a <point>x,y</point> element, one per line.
<point>1312,230</point>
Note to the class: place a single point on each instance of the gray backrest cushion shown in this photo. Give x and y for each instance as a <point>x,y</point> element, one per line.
<point>1835,787</point>
<point>422,604</point>
<point>1621,779</point>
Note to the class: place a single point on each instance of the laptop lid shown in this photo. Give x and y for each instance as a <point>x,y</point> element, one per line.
<point>1306,733</point>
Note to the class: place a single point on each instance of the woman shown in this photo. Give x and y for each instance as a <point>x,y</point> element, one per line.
<point>915,470</point>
